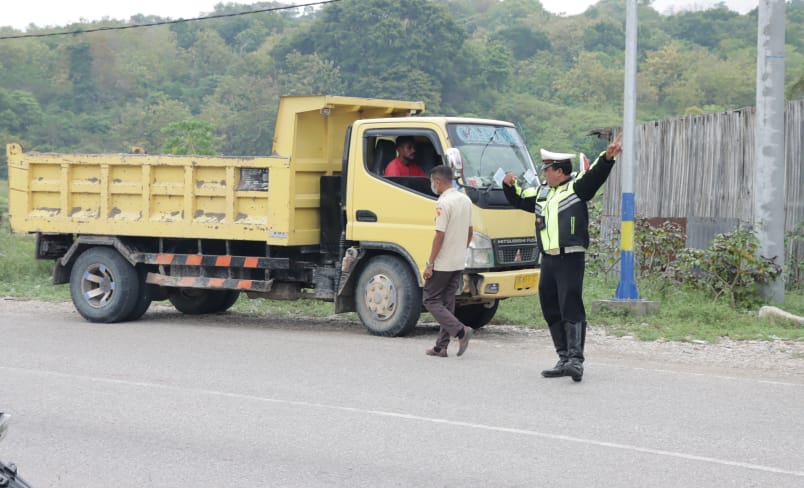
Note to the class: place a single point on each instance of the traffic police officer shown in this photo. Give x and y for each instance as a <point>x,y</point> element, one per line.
<point>562,233</point>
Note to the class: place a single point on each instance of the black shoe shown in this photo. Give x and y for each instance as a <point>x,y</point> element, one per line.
<point>556,371</point>
<point>574,369</point>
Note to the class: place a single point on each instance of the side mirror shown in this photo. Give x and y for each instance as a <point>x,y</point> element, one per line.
<point>455,161</point>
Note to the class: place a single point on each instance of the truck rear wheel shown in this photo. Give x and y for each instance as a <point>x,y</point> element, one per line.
<point>388,298</point>
<point>104,286</point>
<point>145,297</point>
<point>476,315</point>
<point>199,301</point>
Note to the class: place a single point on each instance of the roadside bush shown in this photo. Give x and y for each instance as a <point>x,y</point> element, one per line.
<point>655,246</point>
<point>731,266</point>
<point>603,254</point>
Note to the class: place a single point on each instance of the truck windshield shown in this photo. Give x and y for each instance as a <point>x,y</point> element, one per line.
<point>490,151</point>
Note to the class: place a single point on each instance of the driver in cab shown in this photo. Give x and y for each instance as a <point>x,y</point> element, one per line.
<point>403,164</point>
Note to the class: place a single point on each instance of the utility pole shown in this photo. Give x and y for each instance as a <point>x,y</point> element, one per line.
<point>627,289</point>
<point>627,297</point>
<point>769,165</point>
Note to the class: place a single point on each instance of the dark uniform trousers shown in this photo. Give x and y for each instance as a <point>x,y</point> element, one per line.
<point>439,300</point>
<point>561,298</point>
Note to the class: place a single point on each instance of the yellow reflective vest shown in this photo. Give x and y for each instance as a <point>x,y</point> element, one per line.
<point>561,214</point>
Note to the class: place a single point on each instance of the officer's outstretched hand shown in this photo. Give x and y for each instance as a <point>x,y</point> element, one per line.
<point>615,147</point>
<point>509,179</point>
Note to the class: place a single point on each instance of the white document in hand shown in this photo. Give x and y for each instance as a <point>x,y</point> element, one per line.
<point>498,177</point>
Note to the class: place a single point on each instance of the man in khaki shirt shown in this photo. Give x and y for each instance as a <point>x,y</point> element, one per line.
<point>443,271</point>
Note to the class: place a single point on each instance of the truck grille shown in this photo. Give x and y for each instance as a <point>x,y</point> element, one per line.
<point>515,250</point>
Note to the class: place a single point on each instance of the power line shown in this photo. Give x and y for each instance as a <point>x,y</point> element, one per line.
<point>167,22</point>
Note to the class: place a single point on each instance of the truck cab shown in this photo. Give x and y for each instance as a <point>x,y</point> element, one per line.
<point>389,220</point>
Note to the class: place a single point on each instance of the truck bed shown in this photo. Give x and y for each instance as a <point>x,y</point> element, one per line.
<point>163,196</point>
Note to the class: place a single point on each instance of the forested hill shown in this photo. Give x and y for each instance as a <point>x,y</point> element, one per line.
<point>213,86</point>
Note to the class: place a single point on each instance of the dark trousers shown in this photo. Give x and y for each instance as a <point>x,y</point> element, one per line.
<point>439,300</point>
<point>561,288</point>
<point>561,297</point>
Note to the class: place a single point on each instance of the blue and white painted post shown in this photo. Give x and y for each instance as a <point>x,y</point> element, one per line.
<point>627,289</point>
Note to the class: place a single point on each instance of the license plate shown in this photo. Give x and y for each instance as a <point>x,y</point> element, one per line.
<point>524,281</point>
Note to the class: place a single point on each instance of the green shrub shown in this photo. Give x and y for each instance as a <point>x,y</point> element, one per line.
<point>731,266</point>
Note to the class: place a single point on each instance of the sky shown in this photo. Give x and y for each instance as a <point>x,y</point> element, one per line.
<point>19,14</point>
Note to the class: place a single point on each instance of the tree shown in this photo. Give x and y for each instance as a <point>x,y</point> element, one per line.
<point>592,82</point>
<point>84,90</point>
<point>606,36</point>
<point>403,84</point>
<point>189,136</point>
<point>796,89</point>
<point>663,69</point>
<point>522,40</point>
<point>19,111</point>
<point>243,111</point>
<point>128,64</point>
<point>706,28</point>
<point>141,125</point>
<point>306,74</point>
<point>367,39</point>
<point>537,76</point>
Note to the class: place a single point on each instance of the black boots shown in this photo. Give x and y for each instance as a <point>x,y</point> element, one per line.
<point>560,342</point>
<point>569,339</point>
<point>556,371</point>
<point>576,337</point>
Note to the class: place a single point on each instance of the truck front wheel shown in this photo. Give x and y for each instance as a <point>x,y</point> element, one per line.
<point>104,286</point>
<point>388,298</point>
<point>476,315</point>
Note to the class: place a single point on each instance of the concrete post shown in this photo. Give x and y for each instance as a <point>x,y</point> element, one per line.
<point>769,165</point>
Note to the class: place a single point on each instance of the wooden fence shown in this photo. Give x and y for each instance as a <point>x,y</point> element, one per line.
<point>701,168</point>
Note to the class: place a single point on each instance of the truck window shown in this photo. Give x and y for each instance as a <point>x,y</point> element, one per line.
<point>381,150</point>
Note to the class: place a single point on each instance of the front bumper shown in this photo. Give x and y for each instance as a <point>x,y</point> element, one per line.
<point>502,284</point>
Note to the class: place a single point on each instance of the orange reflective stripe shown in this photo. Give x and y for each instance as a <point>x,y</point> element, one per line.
<point>164,259</point>
<point>250,263</point>
<point>223,261</point>
<point>194,259</point>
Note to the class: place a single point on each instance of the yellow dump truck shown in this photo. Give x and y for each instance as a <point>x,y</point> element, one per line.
<point>315,219</point>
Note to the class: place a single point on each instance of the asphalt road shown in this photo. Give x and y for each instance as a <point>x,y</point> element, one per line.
<point>180,401</point>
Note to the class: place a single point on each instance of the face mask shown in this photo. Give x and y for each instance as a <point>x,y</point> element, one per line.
<point>433,188</point>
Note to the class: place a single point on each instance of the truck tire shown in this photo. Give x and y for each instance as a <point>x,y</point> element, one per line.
<point>104,286</point>
<point>388,298</point>
<point>229,300</point>
<point>476,315</point>
<point>145,297</point>
<point>199,301</point>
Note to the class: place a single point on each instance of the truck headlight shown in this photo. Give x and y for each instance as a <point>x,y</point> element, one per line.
<point>479,254</point>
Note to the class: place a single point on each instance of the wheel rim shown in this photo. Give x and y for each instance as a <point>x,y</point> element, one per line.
<point>98,286</point>
<point>381,297</point>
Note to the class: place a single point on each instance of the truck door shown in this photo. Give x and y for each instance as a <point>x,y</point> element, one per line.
<point>391,219</point>
<point>396,210</point>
